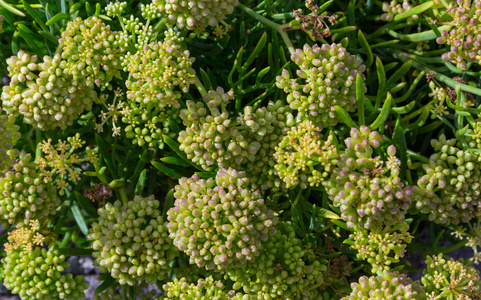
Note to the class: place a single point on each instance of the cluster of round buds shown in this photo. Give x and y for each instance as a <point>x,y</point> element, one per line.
<point>89,52</point>
<point>23,194</point>
<point>303,158</point>
<point>387,285</point>
<point>396,7</point>
<point>207,288</point>
<point>266,126</point>
<point>43,94</point>
<point>9,136</point>
<point>197,14</point>
<point>368,190</point>
<point>219,223</point>
<point>36,274</point>
<point>456,174</point>
<point>382,247</point>
<point>212,138</point>
<point>285,269</point>
<point>464,38</point>
<point>157,75</point>
<point>115,8</point>
<point>328,78</point>
<point>446,278</point>
<point>131,241</point>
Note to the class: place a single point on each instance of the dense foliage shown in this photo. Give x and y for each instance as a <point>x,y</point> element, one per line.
<point>241,149</point>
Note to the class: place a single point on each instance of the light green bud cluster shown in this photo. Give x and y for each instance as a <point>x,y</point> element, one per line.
<point>198,14</point>
<point>382,247</point>
<point>131,241</point>
<point>211,137</point>
<point>303,158</point>
<point>387,285</point>
<point>327,77</point>
<point>455,175</point>
<point>367,189</point>
<point>205,289</point>
<point>9,136</point>
<point>446,278</point>
<point>23,194</point>
<point>219,223</point>
<point>247,142</point>
<point>36,274</point>
<point>266,126</point>
<point>43,94</point>
<point>285,269</point>
<point>158,74</point>
<point>396,7</point>
<point>89,52</point>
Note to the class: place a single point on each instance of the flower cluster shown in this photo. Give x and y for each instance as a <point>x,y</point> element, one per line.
<point>327,77</point>
<point>247,142</point>
<point>379,246</point>
<point>303,158</point>
<point>89,52</point>
<point>387,285</point>
<point>207,288</point>
<point>265,127</point>
<point>212,138</point>
<point>9,136</point>
<point>36,273</point>
<point>59,160</point>
<point>456,176</point>
<point>23,195</point>
<point>131,241</point>
<point>43,94</point>
<point>367,189</point>
<point>396,7</point>
<point>219,223</point>
<point>285,269</point>
<point>157,76</point>
<point>463,38</point>
<point>197,14</point>
<point>450,279</point>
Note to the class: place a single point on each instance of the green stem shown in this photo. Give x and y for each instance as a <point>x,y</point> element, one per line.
<point>200,86</point>
<point>258,17</point>
<point>123,196</point>
<point>38,140</point>
<point>288,42</point>
<point>417,156</point>
<point>444,79</point>
<point>11,8</point>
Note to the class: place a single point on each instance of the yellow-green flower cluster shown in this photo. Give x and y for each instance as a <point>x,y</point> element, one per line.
<point>198,14</point>
<point>9,136</point>
<point>446,278</point>
<point>60,160</point>
<point>387,285</point>
<point>327,77</point>
<point>367,189</point>
<point>303,158</point>
<point>158,74</point>
<point>43,94</point>
<point>36,273</point>
<point>131,241</point>
<point>219,223</point>
<point>23,194</point>
<point>89,52</point>
<point>455,175</point>
<point>382,247</point>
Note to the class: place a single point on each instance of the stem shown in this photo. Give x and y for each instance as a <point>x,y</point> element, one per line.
<point>444,79</point>
<point>200,86</point>
<point>419,157</point>
<point>288,42</point>
<point>123,196</point>
<point>258,17</point>
<point>38,140</point>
